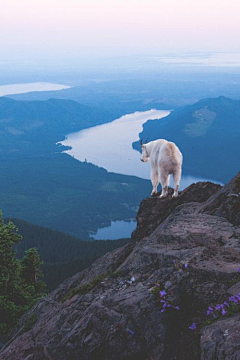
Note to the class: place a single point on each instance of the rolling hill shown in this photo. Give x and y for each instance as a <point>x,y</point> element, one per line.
<point>61,193</point>
<point>34,127</point>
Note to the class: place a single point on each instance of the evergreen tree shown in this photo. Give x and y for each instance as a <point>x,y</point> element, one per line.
<point>11,297</point>
<point>17,295</point>
<point>31,270</point>
<point>9,265</point>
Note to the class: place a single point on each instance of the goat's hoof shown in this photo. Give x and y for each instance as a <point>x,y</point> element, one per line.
<point>162,196</point>
<point>153,193</point>
<point>175,195</point>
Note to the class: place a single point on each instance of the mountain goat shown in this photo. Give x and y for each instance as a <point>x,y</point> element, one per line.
<point>166,159</point>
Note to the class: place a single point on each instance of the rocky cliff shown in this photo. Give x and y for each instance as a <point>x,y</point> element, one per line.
<point>170,294</point>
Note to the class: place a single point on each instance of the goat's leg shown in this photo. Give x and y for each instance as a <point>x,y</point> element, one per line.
<point>176,179</point>
<point>164,180</point>
<point>154,179</point>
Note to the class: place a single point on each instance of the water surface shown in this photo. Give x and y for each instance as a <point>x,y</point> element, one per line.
<point>117,230</point>
<point>110,145</point>
<point>29,87</point>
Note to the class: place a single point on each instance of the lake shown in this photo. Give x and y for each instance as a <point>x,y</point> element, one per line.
<point>117,229</point>
<point>29,87</point>
<point>110,146</point>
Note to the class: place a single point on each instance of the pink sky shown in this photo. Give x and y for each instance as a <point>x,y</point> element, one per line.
<point>118,27</point>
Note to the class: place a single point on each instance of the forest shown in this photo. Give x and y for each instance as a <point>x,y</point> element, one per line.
<point>63,255</point>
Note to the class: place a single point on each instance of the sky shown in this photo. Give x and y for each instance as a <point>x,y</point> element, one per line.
<point>103,28</point>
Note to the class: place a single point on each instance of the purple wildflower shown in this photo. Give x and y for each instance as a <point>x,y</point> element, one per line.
<point>177,308</point>
<point>162,293</point>
<point>210,310</point>
<point>186,265</point>
<point>239,269</point>
<point>225,303</point>
<point>131,332</point>
<point>162,310</point>
<point>193,326</point>
<point>219,307</point>
<point>233,299</point>
<point>224,312</point>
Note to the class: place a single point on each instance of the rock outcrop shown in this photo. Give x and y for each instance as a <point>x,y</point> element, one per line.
<point>189,249</point>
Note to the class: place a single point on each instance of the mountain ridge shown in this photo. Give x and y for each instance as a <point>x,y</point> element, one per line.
<point>36,126</point>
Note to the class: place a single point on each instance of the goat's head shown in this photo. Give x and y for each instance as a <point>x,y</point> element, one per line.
<point>145,156</point>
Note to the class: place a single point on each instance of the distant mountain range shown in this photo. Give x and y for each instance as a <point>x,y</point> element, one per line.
<point>133,90</point>
<point>207,133</point>
<point>120,97</point>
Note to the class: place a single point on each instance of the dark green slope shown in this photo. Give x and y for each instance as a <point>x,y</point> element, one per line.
<point>208,134</point>
<point>64,194</point>
<point>63,255</point>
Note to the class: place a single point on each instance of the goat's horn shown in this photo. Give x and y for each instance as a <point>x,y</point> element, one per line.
<point>146,141</point>
<point>141,142</point>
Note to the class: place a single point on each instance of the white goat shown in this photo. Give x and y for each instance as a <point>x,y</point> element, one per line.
<point>166,159</point>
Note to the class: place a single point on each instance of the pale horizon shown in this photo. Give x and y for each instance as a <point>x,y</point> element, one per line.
<point>51,29</point>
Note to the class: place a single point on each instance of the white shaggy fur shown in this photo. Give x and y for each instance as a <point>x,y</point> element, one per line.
<point>166,159</point>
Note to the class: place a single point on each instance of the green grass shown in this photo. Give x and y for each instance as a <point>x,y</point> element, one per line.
<point>64,194</point>
<point>84,289</point>
<point>29,323</point>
